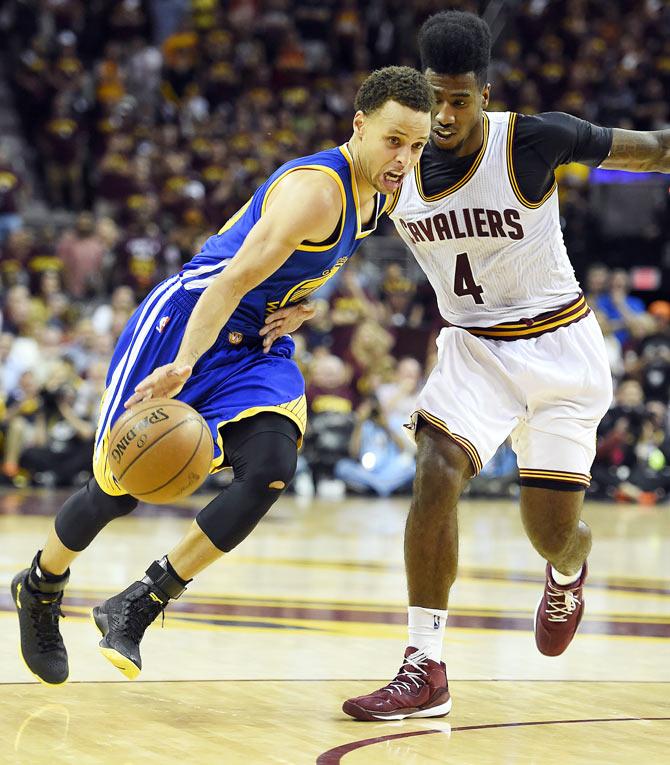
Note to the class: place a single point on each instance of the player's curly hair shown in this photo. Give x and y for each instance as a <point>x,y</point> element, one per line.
<point>403,84</point>
<point>456,42</point>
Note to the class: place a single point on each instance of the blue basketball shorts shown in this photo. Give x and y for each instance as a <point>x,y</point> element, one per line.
<point>233,380</point>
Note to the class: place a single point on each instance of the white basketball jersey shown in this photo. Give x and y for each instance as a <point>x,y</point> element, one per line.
<point>491,255</point>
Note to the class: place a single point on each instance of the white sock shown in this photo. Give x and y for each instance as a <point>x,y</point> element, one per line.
<point>564,579</point>
<point>426,630</point>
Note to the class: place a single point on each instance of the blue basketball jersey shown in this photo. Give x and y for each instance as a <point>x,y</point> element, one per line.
<point>234,379</point>
<point>310,266</point>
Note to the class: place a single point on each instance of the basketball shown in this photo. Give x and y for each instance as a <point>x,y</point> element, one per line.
<point>160,450</point>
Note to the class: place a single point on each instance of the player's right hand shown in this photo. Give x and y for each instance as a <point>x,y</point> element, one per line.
<point>163,382</point>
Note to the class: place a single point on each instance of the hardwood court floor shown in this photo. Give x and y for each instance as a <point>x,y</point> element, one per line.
<point>254,661</point>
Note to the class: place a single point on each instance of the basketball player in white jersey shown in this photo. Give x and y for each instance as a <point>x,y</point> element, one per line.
<point>521,354</point>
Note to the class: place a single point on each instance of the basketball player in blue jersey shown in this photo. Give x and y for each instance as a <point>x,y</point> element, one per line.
<point>197,337</point>
<point>521,354</point>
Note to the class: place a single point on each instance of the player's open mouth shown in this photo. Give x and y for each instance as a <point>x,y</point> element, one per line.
<point>392,179</point>
<point>444,135</point>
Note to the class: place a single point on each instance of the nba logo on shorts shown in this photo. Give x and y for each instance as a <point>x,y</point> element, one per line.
<point>162,324</point>
<point>436,622</point>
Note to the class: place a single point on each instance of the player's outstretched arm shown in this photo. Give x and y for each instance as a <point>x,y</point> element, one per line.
<point>641,151</point>
<point>305,205</point>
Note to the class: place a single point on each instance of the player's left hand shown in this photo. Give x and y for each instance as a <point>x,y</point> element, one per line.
<point>163,382</point>
<point>284,321</point>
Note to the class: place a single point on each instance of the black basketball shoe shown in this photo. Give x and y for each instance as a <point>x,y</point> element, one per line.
<point>124,618</point>
<point>37,597</point>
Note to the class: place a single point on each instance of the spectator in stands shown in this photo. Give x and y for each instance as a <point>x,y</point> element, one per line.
<point>6,374</point>
<point>350,304</point>
<point>12,196</point>
<point>65,457</point>
<point>110,316</point>
<point>370,356</point>
<point>618,434</point>
<point>139,257</point>
<point>24,424</point>
<point>330,399</point>
<point>397,296</point>
<point>18,311</point>
<point>597,282</point>
<point>654,351</point>
<point>63,147</point>
<point>612,345</point>
<point>82,252</point>
<point>382,459</point>
<point>619,306</point>
<point>397,398</point>
<point>15,255</point>
<point>318,330</point>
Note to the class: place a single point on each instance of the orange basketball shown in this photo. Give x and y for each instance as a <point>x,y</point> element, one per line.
<point>160,450</point>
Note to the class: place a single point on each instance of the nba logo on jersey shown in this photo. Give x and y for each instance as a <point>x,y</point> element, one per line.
<point>436,622</point>
<point>162,324</point>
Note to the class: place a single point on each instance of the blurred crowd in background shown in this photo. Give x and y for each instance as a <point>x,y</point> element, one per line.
<point>132,129</point>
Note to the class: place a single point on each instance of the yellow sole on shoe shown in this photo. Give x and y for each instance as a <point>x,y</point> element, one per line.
<point>120,662</point>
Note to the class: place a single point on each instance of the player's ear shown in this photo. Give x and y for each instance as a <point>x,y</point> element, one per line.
<point>359,123</point>
<point>485,95</point>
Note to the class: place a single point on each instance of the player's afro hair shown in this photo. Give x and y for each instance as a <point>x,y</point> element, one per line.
<point>403,84</point>
<point>455,42</point>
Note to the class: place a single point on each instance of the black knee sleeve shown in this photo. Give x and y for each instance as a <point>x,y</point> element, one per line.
<point>87,512</point>
<point>263,451</point>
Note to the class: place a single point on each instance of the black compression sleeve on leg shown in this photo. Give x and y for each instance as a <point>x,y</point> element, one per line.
<point>263,451</point>
<point>87,512</point>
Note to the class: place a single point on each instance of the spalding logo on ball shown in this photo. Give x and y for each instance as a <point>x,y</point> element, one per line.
<point>160,450</point>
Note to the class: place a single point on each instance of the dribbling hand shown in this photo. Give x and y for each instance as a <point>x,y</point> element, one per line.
<point>284,321</point>
<point>163,382</point>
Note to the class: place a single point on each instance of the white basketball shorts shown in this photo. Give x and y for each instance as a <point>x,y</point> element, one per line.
<point>548,392</point>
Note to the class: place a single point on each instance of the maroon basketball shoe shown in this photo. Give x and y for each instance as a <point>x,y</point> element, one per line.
<point>558,614</point>
<point>420,689</point>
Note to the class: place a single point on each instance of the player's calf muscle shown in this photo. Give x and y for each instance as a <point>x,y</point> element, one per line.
<point>552,522</point>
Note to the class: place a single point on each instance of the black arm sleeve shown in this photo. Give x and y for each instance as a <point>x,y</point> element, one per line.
<point>560,138</point>
<point>542,142</point>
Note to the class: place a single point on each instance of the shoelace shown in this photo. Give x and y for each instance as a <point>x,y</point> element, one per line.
<point>136,617</point>
<point>560,604</point>
<point>45,616</point>
<point>415,661</point>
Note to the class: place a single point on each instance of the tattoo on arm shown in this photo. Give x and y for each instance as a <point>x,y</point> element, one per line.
<point>643,151</point>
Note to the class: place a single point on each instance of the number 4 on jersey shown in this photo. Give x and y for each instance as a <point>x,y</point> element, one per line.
<point>464,281</point>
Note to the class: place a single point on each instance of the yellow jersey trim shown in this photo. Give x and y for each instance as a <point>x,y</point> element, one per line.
<point>459,184</point>
<point>102,470</point>
<point>295,410</point>
<point>392,201</point>
<point>510,170</point>
<point>360,234</point>
<point>234,218</point>
<point>329,171</point>
<point>301,290</point>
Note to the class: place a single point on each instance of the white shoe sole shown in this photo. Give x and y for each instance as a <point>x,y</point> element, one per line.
<point>440,711</point>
